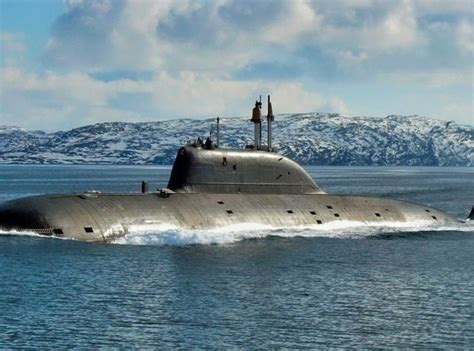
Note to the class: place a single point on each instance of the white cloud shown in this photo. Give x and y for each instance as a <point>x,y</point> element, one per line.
<point>75,98</point>
<point>201,95</point>
<point>12,48</point>
<point>399,29</point>
<point>73,87</point>
<point>175,36</point>
<point>351,61</point>
<point>299,20</point>
<point>433,79</point>
<point>459,7</point>
<point>293,97</point>
<point>465,37</point>
<point>222,36</point>
<point>377,28</point>
<point>194,49</point>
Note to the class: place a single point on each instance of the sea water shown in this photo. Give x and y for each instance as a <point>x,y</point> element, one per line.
<point>244,286</point>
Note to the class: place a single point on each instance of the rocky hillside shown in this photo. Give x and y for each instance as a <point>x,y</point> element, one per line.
<point>311,138</point>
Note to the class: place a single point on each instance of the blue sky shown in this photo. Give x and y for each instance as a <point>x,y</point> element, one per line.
<point>69,63</point>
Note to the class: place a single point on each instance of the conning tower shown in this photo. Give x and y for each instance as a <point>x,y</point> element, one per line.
<point>255,170</point>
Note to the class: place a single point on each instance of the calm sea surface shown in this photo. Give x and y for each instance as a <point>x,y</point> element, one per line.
<point>242,288</point>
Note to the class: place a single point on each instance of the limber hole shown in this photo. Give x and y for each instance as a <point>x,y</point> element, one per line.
<point>220,202</point>
<point>329,206</point>
<point>434,217</point>
<point>377,214</point>
<point>230,211</point>
<point>427,210</point>
<point>336,215</point>
<point>319,221</point>
<point>313,213</point>
<point>42,231</point>
<point>88,230</point>
<point>289,211</point>
<point>58,231</point>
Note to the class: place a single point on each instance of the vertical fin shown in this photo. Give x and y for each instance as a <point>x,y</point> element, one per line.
<point>471,215</point>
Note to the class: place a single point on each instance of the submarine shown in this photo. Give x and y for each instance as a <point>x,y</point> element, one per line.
<point>213,187</point>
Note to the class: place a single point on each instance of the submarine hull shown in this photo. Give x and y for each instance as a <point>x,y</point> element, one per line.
<point>105,217</point>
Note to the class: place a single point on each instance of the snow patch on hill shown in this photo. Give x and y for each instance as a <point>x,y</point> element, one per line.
<point>309,138</point>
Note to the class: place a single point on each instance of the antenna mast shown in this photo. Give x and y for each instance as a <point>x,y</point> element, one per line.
<point>257,120</point>
<point>270,119</point>
<point>218,133</point>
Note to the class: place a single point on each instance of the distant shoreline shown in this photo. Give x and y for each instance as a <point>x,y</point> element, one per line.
<point>307,138</point>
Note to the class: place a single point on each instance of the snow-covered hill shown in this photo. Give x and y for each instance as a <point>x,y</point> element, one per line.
<point>312,138</point>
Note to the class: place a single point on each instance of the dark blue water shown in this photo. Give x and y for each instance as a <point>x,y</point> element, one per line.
<point>401,288</point>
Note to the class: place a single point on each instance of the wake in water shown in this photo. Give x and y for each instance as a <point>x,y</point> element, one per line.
<point>170,235</point>
<point>24,233</point>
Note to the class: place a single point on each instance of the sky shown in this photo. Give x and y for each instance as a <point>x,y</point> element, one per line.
<point>65,64</point>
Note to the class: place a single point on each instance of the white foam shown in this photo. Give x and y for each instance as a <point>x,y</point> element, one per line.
<point>25,233</point>
<point>164,234</point>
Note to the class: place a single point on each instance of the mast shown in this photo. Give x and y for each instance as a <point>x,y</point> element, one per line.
<point>270,119</point>
<point>257,121</point>
<point>218,133</point>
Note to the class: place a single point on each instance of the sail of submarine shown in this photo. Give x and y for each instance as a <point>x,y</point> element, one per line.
<point>213,187</point>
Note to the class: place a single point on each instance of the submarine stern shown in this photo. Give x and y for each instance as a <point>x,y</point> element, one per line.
<point>20,215</point>
<point>59,216</point>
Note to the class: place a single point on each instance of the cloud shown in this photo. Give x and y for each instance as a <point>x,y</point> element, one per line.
<point>293,97</point>
<point>84,35</point>
<point>140,60</point>
<point>12,49</point>
<point>379,28</point>
<point>224,37</point>
<point>433,79</point>
<point>456,7</point>
<point>55,101</point>
<point>465,37</point>
<point>173,36</point>
<point>73,99</point>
